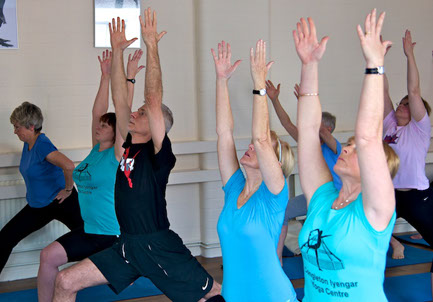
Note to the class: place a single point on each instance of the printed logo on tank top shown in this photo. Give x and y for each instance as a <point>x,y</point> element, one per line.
<point>82,173</point>
<point>391,139</point>
<point>127,165</point>
<point>316,252</point>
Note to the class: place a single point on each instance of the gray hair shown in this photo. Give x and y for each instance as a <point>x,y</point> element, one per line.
<point>329,120</point>
<point>28,115</point>
<point>168,117</point>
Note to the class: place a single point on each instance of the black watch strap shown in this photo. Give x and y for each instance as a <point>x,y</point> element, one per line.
<point>131,80</point>
<point>377,70</point>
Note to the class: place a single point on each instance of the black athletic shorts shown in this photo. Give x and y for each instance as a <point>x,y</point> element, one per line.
<point>80,245</point>
<point>162,257</point>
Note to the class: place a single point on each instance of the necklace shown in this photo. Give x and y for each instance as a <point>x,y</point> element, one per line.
<point>341,204</point>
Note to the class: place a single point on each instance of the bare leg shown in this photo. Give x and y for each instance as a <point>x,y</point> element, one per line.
<point>215,290</point>
<point>398,249</point>
<point>81,275</point>
<point>53,256</point>
<point>280,246</point>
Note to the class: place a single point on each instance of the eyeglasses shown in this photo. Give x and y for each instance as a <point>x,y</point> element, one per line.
<point>403,104</point>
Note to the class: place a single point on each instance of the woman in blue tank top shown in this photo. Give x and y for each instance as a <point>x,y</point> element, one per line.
<point>250,222</point>
<point>346,234</point>
<point>95,178</point>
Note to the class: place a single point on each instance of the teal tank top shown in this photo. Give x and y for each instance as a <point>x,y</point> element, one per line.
<point>95,177</point>
<point>344,256</point>
<point>249,238</point>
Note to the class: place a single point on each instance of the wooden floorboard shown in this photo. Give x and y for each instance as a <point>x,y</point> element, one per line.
<point>213,266</point>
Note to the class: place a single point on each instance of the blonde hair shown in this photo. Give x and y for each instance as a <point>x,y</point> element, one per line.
<point>426,105</point>
<point>28,115</point>
<point>392,159</point>
<point>287,159</point>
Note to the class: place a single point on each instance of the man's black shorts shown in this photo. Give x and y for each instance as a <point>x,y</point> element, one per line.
<point>162,257</point>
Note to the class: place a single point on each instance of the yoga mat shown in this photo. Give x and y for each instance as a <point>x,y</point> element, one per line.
<point>412,255</point>
<point>409,288</point>
<point>141,288</point>
<point>410,240</point>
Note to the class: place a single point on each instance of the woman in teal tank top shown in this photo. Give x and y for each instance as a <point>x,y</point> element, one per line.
<point>250,222</point>
<point>95,178</point>
<point>346,234</point>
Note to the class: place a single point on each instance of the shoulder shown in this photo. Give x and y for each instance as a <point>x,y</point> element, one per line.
<point>235,181</point>
<point>424,124</point>
<point>324,195</point>
<point>44,146</point>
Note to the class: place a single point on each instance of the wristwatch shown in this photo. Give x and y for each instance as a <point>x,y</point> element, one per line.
<point>378,70</point>
<point>260,92</point>
<point>131,80</point>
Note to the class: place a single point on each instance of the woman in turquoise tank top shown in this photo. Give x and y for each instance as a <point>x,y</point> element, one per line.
<point>250,222</point>
<point>95,178</point>
<point>346,234</point>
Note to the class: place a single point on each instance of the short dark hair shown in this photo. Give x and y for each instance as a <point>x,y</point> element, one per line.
<point>110,119</point>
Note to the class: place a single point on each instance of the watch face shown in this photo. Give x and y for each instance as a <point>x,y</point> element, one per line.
<point>262,91</point>
<point>381,70</point>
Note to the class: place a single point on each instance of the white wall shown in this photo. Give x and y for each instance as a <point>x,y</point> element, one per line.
<point>56,68</point>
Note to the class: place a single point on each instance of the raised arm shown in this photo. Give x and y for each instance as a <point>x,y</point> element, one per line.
<point>100,106</point>
<point>153,80</point>
<point>388,106</point>
<point>377,187</point>
<point>327,138</point>
<point>227,158</point>
<point>284,118</point>
<point>119,88</point>
<point>416,105</point>
<point>313,171</point>
<point>269,165</point>
<point>132,69</point>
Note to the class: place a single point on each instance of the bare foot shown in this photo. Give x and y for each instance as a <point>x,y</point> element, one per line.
<point>416,237</point>
<point>397,249</point>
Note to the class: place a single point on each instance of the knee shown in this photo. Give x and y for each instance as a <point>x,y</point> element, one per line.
<point>45,256</point>
<point>65,283</point>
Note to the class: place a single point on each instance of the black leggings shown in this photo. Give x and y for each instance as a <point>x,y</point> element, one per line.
<point>29,220</point>
<point>417,208</point>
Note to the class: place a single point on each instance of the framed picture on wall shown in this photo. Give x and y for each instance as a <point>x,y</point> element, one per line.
<point>8,24</point>
<point>105,10</point>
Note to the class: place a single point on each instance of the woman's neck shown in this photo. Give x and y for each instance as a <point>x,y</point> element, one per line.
<point>350,190</point>
<point>32,140</point>
<point>253,180</point>
<point>105,145</point>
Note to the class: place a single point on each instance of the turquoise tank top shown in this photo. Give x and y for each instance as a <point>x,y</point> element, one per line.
<point>95,177</point>
<point>344,256</point>
<point>249,238</point>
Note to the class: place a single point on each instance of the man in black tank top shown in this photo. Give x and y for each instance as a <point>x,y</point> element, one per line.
<point>146,247</point>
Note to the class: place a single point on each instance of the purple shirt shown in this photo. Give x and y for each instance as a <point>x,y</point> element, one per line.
<point>411,143</point>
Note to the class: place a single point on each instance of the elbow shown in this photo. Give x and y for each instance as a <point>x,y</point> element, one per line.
<point>68,166</point>
<point>414,91</point>
<point>262,142</point>
<point>153,99</point>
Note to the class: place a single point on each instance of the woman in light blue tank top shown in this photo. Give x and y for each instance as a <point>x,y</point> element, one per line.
<point>95,178</point>
<point>345,237</point>
<point>250,222</point>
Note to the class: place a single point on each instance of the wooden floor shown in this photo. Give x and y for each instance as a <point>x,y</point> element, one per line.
<point>213,266</point>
